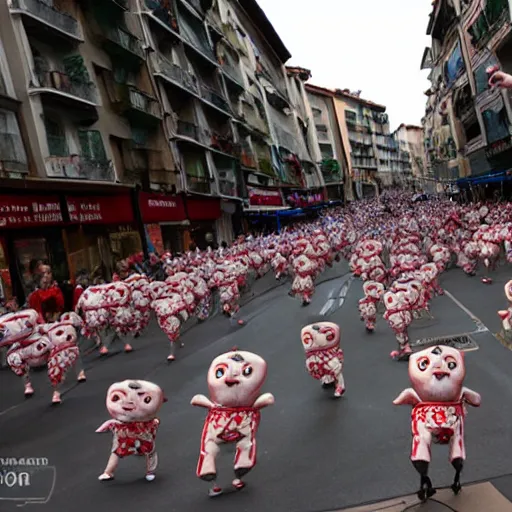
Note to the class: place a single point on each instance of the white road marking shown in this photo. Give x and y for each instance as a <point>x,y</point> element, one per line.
<point>479,324</point>
<point>327,307</point>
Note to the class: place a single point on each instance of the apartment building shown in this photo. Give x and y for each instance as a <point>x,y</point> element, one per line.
<point>327,144</point>
<point>467,124</point>
<point>136,124</point>
<point>410,159</point>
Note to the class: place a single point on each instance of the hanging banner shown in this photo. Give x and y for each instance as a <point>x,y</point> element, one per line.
<point>161,208</point>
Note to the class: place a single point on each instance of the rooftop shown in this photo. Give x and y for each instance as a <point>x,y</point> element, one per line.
<point>255,12</point>
<point>345,93</point>
<point>302,73</point>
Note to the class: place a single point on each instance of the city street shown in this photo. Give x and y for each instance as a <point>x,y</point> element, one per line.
<point>314,453</point>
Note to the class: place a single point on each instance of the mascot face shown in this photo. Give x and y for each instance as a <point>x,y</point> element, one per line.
<point>437,374</point>
<point>134,400</point>
<point>235,378</point>
<point>320,335</point>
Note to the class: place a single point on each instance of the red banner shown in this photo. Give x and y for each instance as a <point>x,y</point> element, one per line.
<point>264,197</point>
<point>203,209</point>
<point>29,211</point>
<point>100,209</point>
<point>156,208</point>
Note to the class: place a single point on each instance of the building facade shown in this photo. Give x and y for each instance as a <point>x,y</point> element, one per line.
<point>131,125</point>
<point>467,124</point>
<point>410,163</point>
<point>327,143</point>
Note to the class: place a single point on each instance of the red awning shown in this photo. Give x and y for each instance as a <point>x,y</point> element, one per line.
<point>156,208</point>
<point>101,209</point>
<point>29,211</point>
<point>264,197</point>
<point>203,208</point>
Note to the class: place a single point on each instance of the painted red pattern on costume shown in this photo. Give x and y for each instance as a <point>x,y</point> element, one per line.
<point>135,438</point>
<point>440,419</point>
<point>317,361</point>
<point>62,358</point>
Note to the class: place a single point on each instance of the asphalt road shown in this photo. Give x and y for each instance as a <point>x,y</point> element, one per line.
<point>314,453</point>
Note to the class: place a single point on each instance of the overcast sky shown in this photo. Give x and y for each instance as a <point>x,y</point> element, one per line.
<point>372,45</point>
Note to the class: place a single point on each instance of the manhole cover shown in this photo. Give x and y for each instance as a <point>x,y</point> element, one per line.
<point>460,342</point>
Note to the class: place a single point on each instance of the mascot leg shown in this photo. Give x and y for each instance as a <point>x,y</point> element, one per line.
<point>420,457</point>
<point>457,455</point>
<point>29,390</point>
<point>151,465</point>
<point>112,464</point>
<point>245,456</point>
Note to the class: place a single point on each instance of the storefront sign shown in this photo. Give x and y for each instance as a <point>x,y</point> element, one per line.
<point>264,197</point>
<point>498,147</point>
<point>203,209</point>
<point>161,208</point>
<point>100,209</point>
<point>29,211</point>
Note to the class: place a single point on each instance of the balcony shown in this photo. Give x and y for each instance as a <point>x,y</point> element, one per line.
<point>123,45</point>
<point>247,158</point>
<point>189,130</point>
<point>13,157</point>
<point>162,14</point>
<point>58,88</point>
<point>223,144</point>
<point>331,171</point>
<point>40,15</point>
<point>227,188</point>
<point>213,98</point>
<point>176,75</point>
<point>232,74</point>
<point>137,106</point>
<point>78,168</point>
<point>199,184</point>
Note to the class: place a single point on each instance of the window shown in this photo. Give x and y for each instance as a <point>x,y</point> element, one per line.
<point>496,122</point>
<point>56,138</point>
<point>12,149</point>
<point>454,66</point>
<point>91,145</point>
<point>350,116</point>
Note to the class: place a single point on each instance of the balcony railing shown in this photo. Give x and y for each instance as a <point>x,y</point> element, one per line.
<point>187,129</point>
<point>198,184</point>
<point>213,97</point>
<point>79,167</point>
<point>63,83</point>
<point>49,15</point>
<point>178,75</point>
<point>12,153</point>
<point>223,144</point>
<point>125,40</point>
<point>140,101</point>
<point>196,4</point>
<point>227,188</point>
<point>200,47</point>
<point>232,73</point>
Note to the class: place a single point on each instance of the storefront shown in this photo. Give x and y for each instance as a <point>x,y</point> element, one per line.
<point>202,212</point>
<point>31,228</point>
<point>102,231</point>
<point>299,198</point>
<point>165,221</point>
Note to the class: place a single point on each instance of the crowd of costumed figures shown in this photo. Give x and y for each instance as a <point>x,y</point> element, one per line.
<point>398,248</point>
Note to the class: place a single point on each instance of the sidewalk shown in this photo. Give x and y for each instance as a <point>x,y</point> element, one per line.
<point>482,497</point>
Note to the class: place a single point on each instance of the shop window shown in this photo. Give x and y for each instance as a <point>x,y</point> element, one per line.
<point>56,138</point>
<point>496,123</point>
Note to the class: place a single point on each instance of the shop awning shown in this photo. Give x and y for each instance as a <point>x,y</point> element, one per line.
<point>203,209</point>
<point>107,210</point>
<point>29,211</point>
<point>491,177</point>
<point>161,208</point>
